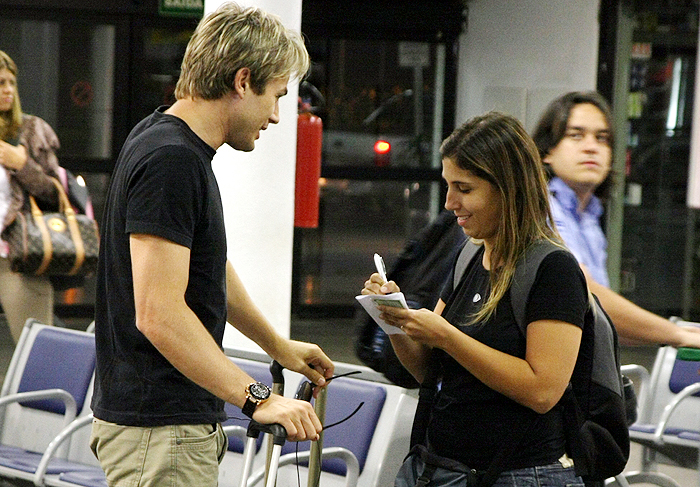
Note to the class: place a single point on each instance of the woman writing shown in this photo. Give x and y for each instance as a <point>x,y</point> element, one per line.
<point>493,378</point>
<point>27,159</point>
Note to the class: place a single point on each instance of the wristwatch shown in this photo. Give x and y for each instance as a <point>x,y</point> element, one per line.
<point>256,393</point>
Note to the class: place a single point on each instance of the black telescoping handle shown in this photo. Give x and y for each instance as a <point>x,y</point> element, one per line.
<point>276,371</point>
<point>278,432</point>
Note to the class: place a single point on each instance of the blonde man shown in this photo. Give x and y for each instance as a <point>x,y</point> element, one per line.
<point>165,288</point>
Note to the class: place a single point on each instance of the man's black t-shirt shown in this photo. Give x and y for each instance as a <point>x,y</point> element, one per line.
<point>470,421</point>
<point>163,185</point>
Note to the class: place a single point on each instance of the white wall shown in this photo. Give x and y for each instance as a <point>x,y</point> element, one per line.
<point>517,55</point>
<point>257,190</point>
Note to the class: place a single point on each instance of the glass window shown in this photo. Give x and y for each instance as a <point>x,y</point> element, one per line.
<point>382,126</point>
<point>357,218</point>
<point>163,49</point>
<point>659,258</point>
<point>66,76</point>
<point>379,91</point>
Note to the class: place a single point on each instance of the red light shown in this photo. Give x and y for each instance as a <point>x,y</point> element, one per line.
<point>382,147</point>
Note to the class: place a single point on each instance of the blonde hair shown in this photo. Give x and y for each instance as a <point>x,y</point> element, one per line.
<point>11,120</point>
<point>495,147</point>
<point>232,38</point>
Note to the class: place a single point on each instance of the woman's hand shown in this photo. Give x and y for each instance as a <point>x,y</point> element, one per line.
<point>421,325</point>
<point>12,157</point>
<point>376,285</point>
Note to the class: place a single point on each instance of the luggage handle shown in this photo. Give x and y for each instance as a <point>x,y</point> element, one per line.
<point>304,393</point>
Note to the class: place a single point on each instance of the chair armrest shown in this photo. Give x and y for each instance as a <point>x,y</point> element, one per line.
<point>62,436</point>
<point>641,477</point>
<point>640,374</point>
<point>351,463</point>
<point>670,408</point>
<point>65,396</point>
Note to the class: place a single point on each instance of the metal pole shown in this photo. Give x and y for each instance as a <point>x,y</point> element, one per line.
<point>317,446</point>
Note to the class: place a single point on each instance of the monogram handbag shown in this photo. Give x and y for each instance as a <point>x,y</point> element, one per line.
<point>60,243</point>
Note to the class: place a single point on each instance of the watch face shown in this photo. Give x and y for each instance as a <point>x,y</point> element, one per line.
<point>259,391</point>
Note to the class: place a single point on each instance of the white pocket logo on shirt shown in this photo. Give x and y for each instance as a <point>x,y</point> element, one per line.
<point>477,298</point>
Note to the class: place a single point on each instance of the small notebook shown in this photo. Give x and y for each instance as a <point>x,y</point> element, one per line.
<point>370,301</point>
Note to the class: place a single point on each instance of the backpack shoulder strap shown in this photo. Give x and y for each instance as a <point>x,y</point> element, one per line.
<point>524,278</point>
<point>469,250</point>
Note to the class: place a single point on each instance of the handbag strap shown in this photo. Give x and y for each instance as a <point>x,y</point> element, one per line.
<point>71,221</point>
<point>72,226</point>
<point>38,218</point>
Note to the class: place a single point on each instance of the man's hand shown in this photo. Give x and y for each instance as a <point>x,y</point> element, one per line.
<point>307,359</point>
<point>689,336</point>
<point>297,417</point>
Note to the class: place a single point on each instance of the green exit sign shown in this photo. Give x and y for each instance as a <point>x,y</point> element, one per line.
<point>181,8</point>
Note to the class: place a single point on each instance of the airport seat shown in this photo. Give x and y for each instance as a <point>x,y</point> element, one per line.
<point>78,471</point>
<point>668,425</point>
<point>94,476</point>
<point>355,434</point>
<point>47,385</point>
<point>371,444</point>
<point>366,450</point>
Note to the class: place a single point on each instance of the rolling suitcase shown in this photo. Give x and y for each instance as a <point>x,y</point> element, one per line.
<point>278,435</point>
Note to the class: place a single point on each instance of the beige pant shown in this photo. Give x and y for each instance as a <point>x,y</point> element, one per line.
<point>163,456</point>
<point>24,297</point>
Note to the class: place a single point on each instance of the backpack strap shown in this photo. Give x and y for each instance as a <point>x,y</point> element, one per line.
<point>469,250</point>
<point>428,388</point>
<point>524,278</point>
<point>426,399</point>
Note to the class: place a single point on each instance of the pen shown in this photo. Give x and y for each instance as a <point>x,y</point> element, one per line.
<point>381,268</point>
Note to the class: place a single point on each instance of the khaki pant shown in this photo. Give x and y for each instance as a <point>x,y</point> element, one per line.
<point>24,297</point>
<point>163,456</point>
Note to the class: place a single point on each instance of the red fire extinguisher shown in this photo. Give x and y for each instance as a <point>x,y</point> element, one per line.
<point>308,172</point>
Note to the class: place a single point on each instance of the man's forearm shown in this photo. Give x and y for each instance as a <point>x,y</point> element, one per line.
<point>635,325</point>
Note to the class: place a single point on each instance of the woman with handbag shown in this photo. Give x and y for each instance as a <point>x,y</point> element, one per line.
<point>27,162</point>
<point>494,380</point>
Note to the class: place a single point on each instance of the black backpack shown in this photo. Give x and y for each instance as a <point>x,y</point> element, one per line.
<point>596,421</point>
<point>420,271</point>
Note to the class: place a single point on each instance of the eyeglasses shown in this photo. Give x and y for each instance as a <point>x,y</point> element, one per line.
<point>306,388</point>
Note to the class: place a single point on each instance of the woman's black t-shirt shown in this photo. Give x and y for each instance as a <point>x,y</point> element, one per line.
<point>470,422</point>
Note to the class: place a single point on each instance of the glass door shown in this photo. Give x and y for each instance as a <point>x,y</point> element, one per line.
<point>659,248</point>
<point>382,110</point>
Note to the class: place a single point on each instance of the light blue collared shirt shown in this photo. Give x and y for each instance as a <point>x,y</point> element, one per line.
<point>581,231</point>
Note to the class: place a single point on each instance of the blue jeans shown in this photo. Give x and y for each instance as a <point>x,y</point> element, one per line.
<point>553,475</point>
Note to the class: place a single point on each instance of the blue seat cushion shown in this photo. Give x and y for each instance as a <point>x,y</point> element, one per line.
<point>650,428</point>
<point>59,360</point>
<point>355,434</point>
<point>28,461</point>
<point>94,477</point>
<point>684,373</point>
